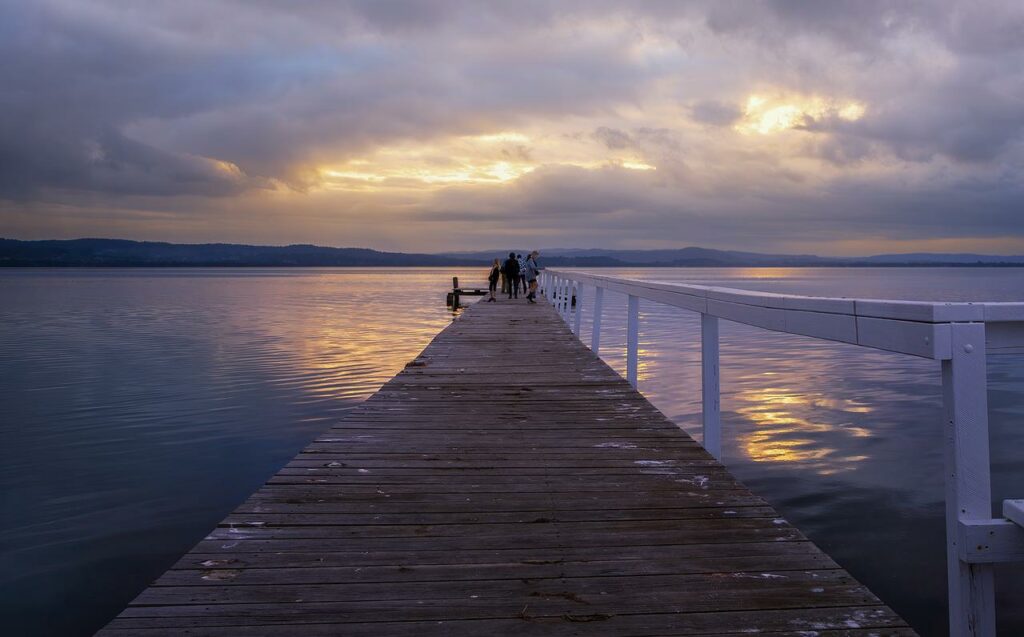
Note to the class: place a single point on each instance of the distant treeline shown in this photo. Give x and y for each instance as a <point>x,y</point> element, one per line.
<point>124,253</point>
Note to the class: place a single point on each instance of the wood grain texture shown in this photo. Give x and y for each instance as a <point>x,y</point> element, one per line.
<point>508,483</point>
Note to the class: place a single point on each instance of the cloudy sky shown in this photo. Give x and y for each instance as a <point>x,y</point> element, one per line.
<point>828,127</point>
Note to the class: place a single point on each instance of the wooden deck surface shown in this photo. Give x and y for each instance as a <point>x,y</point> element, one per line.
<point>507,482</point>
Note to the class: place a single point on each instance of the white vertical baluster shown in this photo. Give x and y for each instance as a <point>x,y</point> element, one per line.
<point>632,338</point>
<point>595,333</point>
<point>578,317</point>
<point>561,297</point>
<point>710,392</point>
<point>968,488</point>
<point>566,291</point>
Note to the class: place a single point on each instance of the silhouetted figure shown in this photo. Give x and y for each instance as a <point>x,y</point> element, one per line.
<point>512,275</point>
<point>492,279</point>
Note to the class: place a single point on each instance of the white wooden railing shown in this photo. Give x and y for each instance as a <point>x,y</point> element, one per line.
<point>960,335</point>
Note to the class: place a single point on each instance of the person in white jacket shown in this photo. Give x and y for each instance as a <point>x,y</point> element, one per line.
<point>522,272</point>
<point>531,270</point>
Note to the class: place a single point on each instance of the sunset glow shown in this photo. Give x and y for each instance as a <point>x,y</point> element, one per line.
<point>842,132</point>
<point>765,115</point>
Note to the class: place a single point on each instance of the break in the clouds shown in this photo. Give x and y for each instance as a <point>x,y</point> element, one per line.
<point>836,128</point>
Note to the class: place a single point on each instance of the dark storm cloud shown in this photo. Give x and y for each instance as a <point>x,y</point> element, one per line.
<point>715,113</point>
<point>217,100</point>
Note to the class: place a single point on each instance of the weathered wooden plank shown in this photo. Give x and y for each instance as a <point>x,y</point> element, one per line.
<point>507,483</point>
<point>487,617</point>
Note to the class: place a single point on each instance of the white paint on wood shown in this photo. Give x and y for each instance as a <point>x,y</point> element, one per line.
<point>990,541</point>
<point>578,314</point>
<point>921,311</point>
<point>1004,311</point>
<point>711,410</point>
<point>632,338</point>
<point>968,488</point>
<point>820,304</point>
<point>768,318</point>
<point>832,327</point>
<point>907,337</point>
<point>1013,510</point>
<point>595,333</point>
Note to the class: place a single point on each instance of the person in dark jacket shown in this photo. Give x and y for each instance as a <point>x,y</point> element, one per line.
<point>512,275</point>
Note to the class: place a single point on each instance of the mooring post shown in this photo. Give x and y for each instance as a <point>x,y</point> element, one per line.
<point>632,338</point>
<point>578,322</point>
<point>595,333</point>
<point>968,485</point>
<point>711,407</point>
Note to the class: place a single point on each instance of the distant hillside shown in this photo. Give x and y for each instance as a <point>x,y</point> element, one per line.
<point>119,252</point>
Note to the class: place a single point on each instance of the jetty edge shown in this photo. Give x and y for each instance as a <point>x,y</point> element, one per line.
<point>506,482</point>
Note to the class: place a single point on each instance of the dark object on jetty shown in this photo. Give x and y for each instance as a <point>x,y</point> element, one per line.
<point>505,486</point>
<point>452,299</point>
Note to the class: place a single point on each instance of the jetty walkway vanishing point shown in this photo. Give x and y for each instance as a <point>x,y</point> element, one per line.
<point>508,482</point>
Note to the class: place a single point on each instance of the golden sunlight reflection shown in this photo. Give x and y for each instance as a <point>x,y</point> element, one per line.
<point>782,432</point>
<point>332,352</point>
<point>764,115</point>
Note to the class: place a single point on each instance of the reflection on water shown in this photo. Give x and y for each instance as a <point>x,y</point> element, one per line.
<point>845,441</point>
<point>779,433</point>
<point>141,406</point>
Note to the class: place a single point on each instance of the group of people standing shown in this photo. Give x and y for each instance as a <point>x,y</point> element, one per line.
<point>515,273</point>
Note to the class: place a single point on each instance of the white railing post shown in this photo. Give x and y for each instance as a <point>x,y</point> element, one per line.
<point>566,291</point>
<point>567,301</point>
<point>578,315</point>
<point>562,291</point>
<point>968,488</point>
<point>595,333</point>
<point>710,392</point>
<point>632,339</point>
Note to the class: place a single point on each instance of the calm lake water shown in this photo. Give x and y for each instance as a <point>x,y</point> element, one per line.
<point>138,407</point>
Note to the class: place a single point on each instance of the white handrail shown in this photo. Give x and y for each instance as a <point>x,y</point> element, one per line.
<point>960,335</point>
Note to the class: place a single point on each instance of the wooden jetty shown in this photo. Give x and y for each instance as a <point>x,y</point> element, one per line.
<point>507,482</point>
